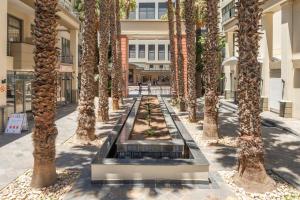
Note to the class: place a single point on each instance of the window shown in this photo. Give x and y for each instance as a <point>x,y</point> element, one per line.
<point>151,66</point>
<point>141,51</point>
<point>147,11</point>
<point>132,51</point>
<point>132,14</point>
<point>161,52</point>
<point>169,52</point>
<point>151,52</point>
<point>228,11</point>
<point>65,51</point>
<point>14,31</point>
<point>162,9</point>
<point>161,66</point>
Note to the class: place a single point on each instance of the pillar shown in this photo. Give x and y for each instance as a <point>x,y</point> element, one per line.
<point>287,70</point>
<point>229,93</point>
<point>74,43</point>
<point>125,65</point>
<point>3,64</point>
<point>267,53</point>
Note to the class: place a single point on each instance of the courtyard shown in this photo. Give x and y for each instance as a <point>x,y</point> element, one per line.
<point>73,161</point>
<point>149,99</point>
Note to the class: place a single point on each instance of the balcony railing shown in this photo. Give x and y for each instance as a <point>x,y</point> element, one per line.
<point>157,68</point>
<point>66,59</point>
<point>66,4</point>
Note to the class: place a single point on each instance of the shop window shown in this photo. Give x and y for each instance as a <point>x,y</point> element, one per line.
<point>151,52</point>
<point>161,52</point>
<point>132,51</point>
<point>141,51</point>
<point>147,11</point>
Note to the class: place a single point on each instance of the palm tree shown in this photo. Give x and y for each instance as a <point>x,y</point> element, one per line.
<point>180,59</point>
<point>211,65</point>
<point>86,107</point>
<point>119,53</point>
<point>44,93</point>
<point>251,171</point>
<point>190,23</point>
<point>103,60</point>
<point>172,52</point>
<point>114,57</point>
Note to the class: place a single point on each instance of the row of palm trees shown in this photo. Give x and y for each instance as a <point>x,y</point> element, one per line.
<point>251,171</point>
<point>44,85</point>
<point>251,156</point>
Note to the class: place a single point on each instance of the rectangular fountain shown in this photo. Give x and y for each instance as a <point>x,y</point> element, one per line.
<point>149,143</point>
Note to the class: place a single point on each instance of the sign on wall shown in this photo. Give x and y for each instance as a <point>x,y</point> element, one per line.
<point>2,94</point>
<point>16,123</point>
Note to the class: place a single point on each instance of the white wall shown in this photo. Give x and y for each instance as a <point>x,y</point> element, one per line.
<point>146,43</point>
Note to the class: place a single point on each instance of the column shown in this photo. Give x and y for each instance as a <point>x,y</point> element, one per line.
<point>125,65</point>
<point>74,42</point>
<point>267,53</point>
<point>227,68</point>
<point>3,67</point>
<point>287,70</point>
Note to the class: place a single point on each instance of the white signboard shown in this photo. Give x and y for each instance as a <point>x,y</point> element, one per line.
<point>17,123</point>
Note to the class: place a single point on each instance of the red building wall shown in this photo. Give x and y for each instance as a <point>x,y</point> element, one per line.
<point>125,65</point>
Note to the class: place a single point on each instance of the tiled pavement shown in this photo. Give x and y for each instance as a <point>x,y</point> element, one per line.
<point>16,150</point>
<point>282,155</point>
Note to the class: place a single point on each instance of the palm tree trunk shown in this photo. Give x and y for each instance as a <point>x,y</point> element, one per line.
<point>115,67</point>
<point>103,109</point>
<point>180,60</point>
<point>190,23</point>
<point>44,93</point>
<point>119,53</point>
<point>174,92</point>
<point>86,107</point>
<point>251,171</point>
<point>211,65</point>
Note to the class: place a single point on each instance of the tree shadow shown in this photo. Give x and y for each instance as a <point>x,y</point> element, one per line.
<point>61,112</point>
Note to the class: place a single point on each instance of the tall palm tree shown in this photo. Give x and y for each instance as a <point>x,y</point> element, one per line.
<point>115,62</point>
<point>119,53</point>
<point>44,93</point>
<point>211,65</point>
<point>172,51</point>
<point>103,60</point>
<point>86,107</point>
<point>180,59</point>
<point>251,171</point>
<point>190,23</point>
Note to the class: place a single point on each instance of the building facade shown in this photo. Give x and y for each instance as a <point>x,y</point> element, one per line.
<point>145,44</point>
<point>16,55</point>
<point>279,55</point>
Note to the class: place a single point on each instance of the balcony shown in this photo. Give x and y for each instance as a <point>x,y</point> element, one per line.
<point>67,5</point>
<point>154,68</point>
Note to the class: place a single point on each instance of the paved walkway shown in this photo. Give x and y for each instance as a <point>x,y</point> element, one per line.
<point>288,124</point>
<point>16,150</point>
<point>282,146</point>
<point>282,155</point>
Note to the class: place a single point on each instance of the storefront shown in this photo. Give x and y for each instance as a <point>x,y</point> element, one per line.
<point>19,90</point>
<point>64,88</point>
<point>19,94</point>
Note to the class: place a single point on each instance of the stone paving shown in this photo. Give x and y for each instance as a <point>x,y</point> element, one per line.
<point>16,150</point>
<point>282,155</point>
